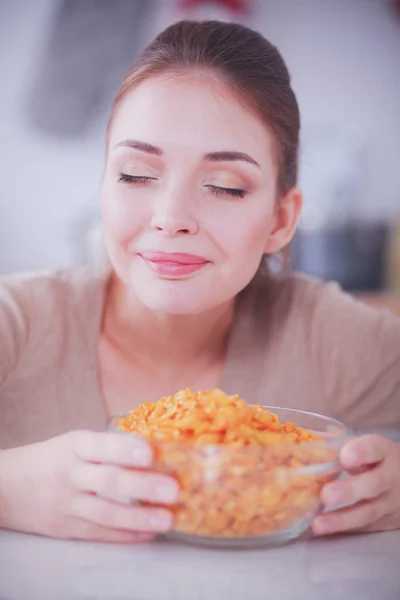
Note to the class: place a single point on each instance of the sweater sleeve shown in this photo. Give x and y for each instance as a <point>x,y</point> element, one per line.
<point>356,350</point>
<point>13,327</point>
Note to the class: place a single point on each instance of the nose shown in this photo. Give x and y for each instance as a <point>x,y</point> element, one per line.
<point>173,214</point>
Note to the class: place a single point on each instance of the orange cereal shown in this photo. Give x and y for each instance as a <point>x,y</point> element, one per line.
<point>241,471</point>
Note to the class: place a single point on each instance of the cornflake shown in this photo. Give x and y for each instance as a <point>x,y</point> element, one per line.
<point>241,471</point>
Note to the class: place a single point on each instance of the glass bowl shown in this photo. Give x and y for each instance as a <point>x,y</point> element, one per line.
<point>254,495</point>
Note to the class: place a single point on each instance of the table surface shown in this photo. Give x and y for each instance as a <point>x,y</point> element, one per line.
<point>356,567</point>
<point>352,567</point>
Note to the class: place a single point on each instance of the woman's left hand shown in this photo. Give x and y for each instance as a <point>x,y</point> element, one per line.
<point>373,488</point>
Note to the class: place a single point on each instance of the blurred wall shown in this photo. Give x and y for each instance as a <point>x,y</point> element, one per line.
<point>344,56</point>
<point>46,184</point>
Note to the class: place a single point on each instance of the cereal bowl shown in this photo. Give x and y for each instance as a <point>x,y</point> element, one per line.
<point>247,496</point>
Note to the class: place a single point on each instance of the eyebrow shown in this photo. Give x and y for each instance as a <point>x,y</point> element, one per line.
<point>222,156</point>
<point>142,146</point>
<point>230,155</point>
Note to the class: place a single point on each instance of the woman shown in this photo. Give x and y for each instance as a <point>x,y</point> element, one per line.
<point>199,186</point>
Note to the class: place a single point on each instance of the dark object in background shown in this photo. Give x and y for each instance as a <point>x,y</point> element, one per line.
<point>355,255</point>
<point>237,6</point>
<point>92,44</point>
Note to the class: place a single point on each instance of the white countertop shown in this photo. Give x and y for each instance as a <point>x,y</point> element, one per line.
<point>357,567</point>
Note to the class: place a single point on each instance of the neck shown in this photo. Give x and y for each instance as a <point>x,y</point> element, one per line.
<point>163,342</point>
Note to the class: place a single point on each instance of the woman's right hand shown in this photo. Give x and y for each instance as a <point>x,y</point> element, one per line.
<point>75,485</point>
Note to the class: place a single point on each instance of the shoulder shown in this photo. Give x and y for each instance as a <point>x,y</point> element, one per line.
<point>35,306</point>
<point>333,328</point>
<point>65,279</point>
<point>294,299</point>
<point>324,313</point>
<point>303,290</point>
<point>349,351</point>
<point>24,294</point>
<point>307,297</point>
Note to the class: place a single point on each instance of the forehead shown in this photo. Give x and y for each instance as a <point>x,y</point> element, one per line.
<point>192,114</point>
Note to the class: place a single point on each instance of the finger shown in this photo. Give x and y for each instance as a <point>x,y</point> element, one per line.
<point>96,533</point>
<point>365,450</point>
<point>364,486</point>
<point>117,482</point>
<point>356,517</point>
<point>114,448</point>
<point>119,516</point>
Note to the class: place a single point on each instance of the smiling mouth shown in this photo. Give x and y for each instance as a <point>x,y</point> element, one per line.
<point>176,264</point>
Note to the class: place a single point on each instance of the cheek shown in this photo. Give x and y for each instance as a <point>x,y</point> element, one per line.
<point>256,234</point>
<point>247,234</point>
<point>122,217</point>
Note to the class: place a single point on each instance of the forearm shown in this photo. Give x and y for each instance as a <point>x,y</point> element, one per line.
<point>10,479</point>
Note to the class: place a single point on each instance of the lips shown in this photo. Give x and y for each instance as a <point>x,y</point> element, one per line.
<point>173,264</point>
<point>175,257</point>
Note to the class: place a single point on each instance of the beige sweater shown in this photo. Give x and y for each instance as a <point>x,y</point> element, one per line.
<point>296,342</point>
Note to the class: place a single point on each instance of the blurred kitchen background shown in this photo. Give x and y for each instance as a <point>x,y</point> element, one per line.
<point>62,60</point>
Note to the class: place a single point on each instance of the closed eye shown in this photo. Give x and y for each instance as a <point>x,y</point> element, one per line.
<point>236,193</point>
<point>124,178</point>
<point>138,179</point>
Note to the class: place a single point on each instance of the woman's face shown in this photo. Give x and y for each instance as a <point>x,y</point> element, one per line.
<point>189,195</point>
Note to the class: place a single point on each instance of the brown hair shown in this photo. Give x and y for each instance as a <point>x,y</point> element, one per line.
<point>239,57</point>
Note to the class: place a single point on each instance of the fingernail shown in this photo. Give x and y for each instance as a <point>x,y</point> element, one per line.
<point>353,454</point>
<point>142,455</point>
<point>167,492</point>
<point>321,526</point>
<point>334,496</point>
<point>160,521</point>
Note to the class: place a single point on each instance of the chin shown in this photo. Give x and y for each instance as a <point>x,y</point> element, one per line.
<point>184,296</point>
<point>169,299</point>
